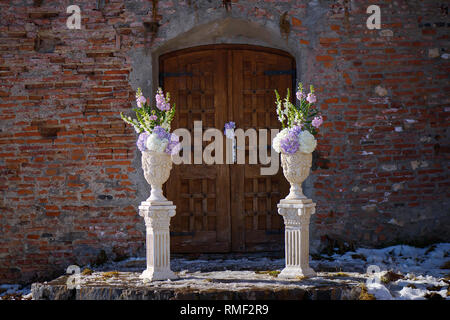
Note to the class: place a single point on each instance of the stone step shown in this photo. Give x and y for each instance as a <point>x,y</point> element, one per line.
<point>218,285</point>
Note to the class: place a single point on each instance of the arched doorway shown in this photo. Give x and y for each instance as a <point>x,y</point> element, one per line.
<point>229,207</point>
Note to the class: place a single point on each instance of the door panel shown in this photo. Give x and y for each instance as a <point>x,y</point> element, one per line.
<point>256,224</point>
<point>197,85</point>
<point>223,208</point>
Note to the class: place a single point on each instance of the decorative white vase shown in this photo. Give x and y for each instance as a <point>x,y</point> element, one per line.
<point>156,166</point>
<point>296,169</point>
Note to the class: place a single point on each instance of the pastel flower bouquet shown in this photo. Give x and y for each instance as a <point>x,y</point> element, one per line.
<point>296,140</point>
<point>155,141</point>
<point>299,122</point>
<point>153,124</point>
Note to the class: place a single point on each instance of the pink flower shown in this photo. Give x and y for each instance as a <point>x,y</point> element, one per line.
<point>300,95</point>
<point>162,103</point>
<point>153,117</point>
<point>317,122</point>
<point>311,98</point>
<point>140,101</point>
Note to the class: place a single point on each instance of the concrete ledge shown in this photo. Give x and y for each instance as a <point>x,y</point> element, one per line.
<point>218,285</point>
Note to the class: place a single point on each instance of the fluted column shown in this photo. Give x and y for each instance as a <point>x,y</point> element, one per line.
<point>157,222</point>
<point>296,215</point>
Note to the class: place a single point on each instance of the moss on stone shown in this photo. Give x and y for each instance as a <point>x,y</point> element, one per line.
<point>365,295</point>
<point>87,272</point>
<point>341,274</point>
<point>273,273</point>
<point>390,277</point>
<point>110,274</point>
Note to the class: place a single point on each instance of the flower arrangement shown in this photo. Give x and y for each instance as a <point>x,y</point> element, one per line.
<point>299,123</point>
<point>153,124</point>
<point>229,129</point>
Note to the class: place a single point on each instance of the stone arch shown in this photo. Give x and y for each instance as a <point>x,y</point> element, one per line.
<point>228,30</point>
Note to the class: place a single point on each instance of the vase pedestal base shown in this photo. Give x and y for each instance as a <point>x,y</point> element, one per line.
<point>151,275</point>
<point>157,216</point>
<point>296,214</point>
<point>296,272</point>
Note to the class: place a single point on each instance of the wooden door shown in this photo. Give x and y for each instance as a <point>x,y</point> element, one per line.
<point>256,224</point>
<point>225,207</point>
<point>197,84</point>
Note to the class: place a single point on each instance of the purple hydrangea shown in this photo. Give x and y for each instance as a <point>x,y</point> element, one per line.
<point>153,117</point>
<point>161,132</point>
<point>229,125</point>
<point>174,145</point>
<point>141,141</point>
<point>296,130</point>
<point>290,144</point>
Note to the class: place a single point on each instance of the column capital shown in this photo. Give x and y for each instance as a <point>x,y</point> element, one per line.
<point>157,217</point>
<point>296,213</point>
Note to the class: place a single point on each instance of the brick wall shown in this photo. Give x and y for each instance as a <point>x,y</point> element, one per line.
<point>69,174</point>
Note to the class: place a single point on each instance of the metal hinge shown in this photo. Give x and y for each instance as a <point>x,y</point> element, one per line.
<point>282,72</point>
<point>162,75</point>
<point>278,72</point>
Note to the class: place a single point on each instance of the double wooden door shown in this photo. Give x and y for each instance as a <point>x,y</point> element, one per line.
<point>226,207</point>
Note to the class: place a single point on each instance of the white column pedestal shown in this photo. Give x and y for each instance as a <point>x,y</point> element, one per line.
<point>296,214</point>
<point>157,216</point>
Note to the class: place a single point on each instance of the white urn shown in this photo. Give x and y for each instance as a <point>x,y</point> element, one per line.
<point>156,166</point>
<point>296,168</point>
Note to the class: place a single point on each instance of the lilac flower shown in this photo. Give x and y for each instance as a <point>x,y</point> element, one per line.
<point>300,95</point>
<point>142,141</point>
<point>161,132</point>
<point>317,122</point>
<point>229,129</point>
<point>174,145</point>
<point>140,101</point>
<point>162,103</point>
<point>153,117</point>
<point>311,98</point>
<point>230,125</point>
<point>295,130</point>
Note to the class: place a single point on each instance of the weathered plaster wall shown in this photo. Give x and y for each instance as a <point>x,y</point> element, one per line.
<point>70,177</point>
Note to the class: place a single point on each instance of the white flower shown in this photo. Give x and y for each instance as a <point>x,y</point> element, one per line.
<point>307,142</point>
<point>277,140</point>
<point>166,126</point>
<point>155,144</point>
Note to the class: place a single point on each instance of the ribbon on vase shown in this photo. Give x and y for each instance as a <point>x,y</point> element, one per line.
<point>229,133</point>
